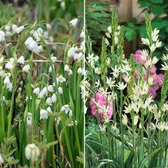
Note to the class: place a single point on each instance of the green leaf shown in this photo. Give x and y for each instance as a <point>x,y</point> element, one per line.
<point>130,34</point>
<point>157,1</point>
<point>157,10</point>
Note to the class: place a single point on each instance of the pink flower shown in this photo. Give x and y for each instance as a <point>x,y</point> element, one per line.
<point>100,105</point>
<point>153,70</point>
<point>158,79</point>
<point>152,92</point>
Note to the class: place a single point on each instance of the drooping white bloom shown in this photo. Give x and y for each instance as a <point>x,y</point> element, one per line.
<point>1,59</point>
<point>66,108</point>
<point>26,68</point>
<point>7,27</point>
<point>50,88</point>
<point>53,59</point>
<point>8,83</point>
<point>54,98</point>
<point>1,160</point>
<point>2,36</point>
<point>72,51</point>
<point>43,114</point>
<point>9,65</point>
<point>81,71</point>
<point>21,60</point>
<point>60,90</point>
<point>29,119</point>
<point>32,152</point>
<point>1,72</point>
<point>48,26</point>
<point>49,101</point>
<point>36,91</point>
<point>33,46</point>
<point>43,93</point>
<point>49,110</point>
<point>14,28</point>
<point>66,68</point>
<point>73,22</point>
<point>61,79</point>
<point>82,35</point>
<point>19,29</point>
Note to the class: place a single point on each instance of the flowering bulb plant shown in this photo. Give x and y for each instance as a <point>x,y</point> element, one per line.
<point>126,100</point>
<point>41,105</point>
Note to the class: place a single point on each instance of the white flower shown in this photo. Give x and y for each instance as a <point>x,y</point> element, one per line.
<point>164,66</point>
<point>2,73</point>
<point>49,110</point>
<point>60,90</point>
<point>7,81</point>
<point>9,65</point>
<point>36,91</point>
<point>121,86</point>
<point>49,101</point>
<point>19,29</point>
<point>32,152</point>
<point>109,29</point>
<point>61,79</point>
<point>54,98</point>
<point>33,46</point>
<point>29,119</point>
<point>82,35</point>
<point>153,47</point>
<point>7,28</point>
<point>116,72</point>
<point>66,108</point>
<point>43,93</point>
<point>66,68</point>
<point>81,71</point>
<point>21,60</point>
<point>72,51</point>
<point>154,60</point>
<point>158,44</point>
<point>110,82</point>
<point>50,88</point>
<point>14,28</point>
<point>1,160</point>
<point>145,41</point>
<point>53,59</point>
<point>165,57</point>
<point>43,114</point>
<point>136,119</point>
<point>48,26</point>
<point>26,68</point>
<point>124,119</point>
<point>70,72</point>
<point>155,34</point>
<point>73,22</point>
<point>1,59</point>
<point>2,36</point>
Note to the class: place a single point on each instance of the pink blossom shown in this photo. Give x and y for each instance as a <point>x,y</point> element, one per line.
<point>100,104</point>
<point>152,92</point>
<point>158,79</point>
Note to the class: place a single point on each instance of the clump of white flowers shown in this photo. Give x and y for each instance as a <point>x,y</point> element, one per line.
<point>32,152</point>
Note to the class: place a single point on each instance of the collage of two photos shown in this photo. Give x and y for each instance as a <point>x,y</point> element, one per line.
<point>83,84</point>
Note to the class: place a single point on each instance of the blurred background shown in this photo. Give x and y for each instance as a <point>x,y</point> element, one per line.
<point>131,15</point>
